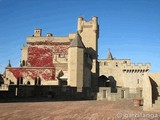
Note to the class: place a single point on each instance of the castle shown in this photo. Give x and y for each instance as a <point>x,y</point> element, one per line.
<point>73,61</point>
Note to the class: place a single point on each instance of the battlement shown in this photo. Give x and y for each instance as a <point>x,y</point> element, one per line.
<point>136,67</point>
<point>49,38</point>
<point>93,24</point>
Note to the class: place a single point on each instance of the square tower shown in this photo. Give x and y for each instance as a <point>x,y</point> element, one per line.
<point>89,31</point>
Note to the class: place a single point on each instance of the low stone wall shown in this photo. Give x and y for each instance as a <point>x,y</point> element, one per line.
<point>122,93</point>
<point>50,91</point>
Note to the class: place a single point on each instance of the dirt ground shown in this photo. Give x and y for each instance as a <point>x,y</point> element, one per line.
<point>74,110</point>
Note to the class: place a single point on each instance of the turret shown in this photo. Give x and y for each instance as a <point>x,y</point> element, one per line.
<point>80,20</point>
<point>109,56</point>
<point>77,42</point>
<point>76,63</point>
<point>9,64</point>
<point>89,31</point>
<point>95,23</point>
<point>37,32</point>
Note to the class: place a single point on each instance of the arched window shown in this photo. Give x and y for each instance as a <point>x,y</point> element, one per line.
<point>28,83</point>
<point>37,81</point>
<point>23,63</point>
<point>21,80</point>
<point>18,81</point>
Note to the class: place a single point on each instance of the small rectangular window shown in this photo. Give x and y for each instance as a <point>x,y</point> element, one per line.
<point>137,81</point>
<point>125,62</point>
<point>61,55</point>
<point>105,63</point>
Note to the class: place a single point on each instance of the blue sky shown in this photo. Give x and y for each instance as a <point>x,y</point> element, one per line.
<point>130,28</point>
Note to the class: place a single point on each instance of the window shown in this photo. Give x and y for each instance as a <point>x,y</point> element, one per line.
<point>37,81</point>
<point>105,63</point>
<point>137,81</point>
<point>28,83</point>
<point>125,61</point>
<point>20,81</point>
<point>23,63</point>
<point>116,64</point>
<point>141,93</point>
<point>61,56</point>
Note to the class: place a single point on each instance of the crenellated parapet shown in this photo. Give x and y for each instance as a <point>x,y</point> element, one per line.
<point>89,32</point>
<point>49,39</point>
<point>87,24</point>
<point>136,68</point>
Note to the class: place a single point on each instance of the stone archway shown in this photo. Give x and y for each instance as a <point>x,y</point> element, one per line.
<point>103,81</point>
<point>28,83</point>
<point>61,78</point>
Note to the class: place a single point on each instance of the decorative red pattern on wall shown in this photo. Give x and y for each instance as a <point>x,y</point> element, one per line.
<point>60,49</point>
<point>40,57</point>
<point>44,74</point>
<point>43,56</point>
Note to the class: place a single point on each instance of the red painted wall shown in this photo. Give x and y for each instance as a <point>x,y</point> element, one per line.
<point>60,49</point>
<point>40,57</point>
<point>44,74</point>
<point>43,56</point>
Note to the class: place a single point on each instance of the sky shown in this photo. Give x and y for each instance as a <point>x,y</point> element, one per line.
<point>130,28</point>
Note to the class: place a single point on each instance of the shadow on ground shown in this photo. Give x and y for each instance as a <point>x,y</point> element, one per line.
<point>35,99</point>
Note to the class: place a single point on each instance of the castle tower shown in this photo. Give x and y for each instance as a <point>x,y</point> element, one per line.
<point>89,31</point>
<point>76,63</point>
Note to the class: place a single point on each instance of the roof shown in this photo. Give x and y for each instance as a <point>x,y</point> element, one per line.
<point>77,42</point>
<point>9,64</point>
<point>109,56</point>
